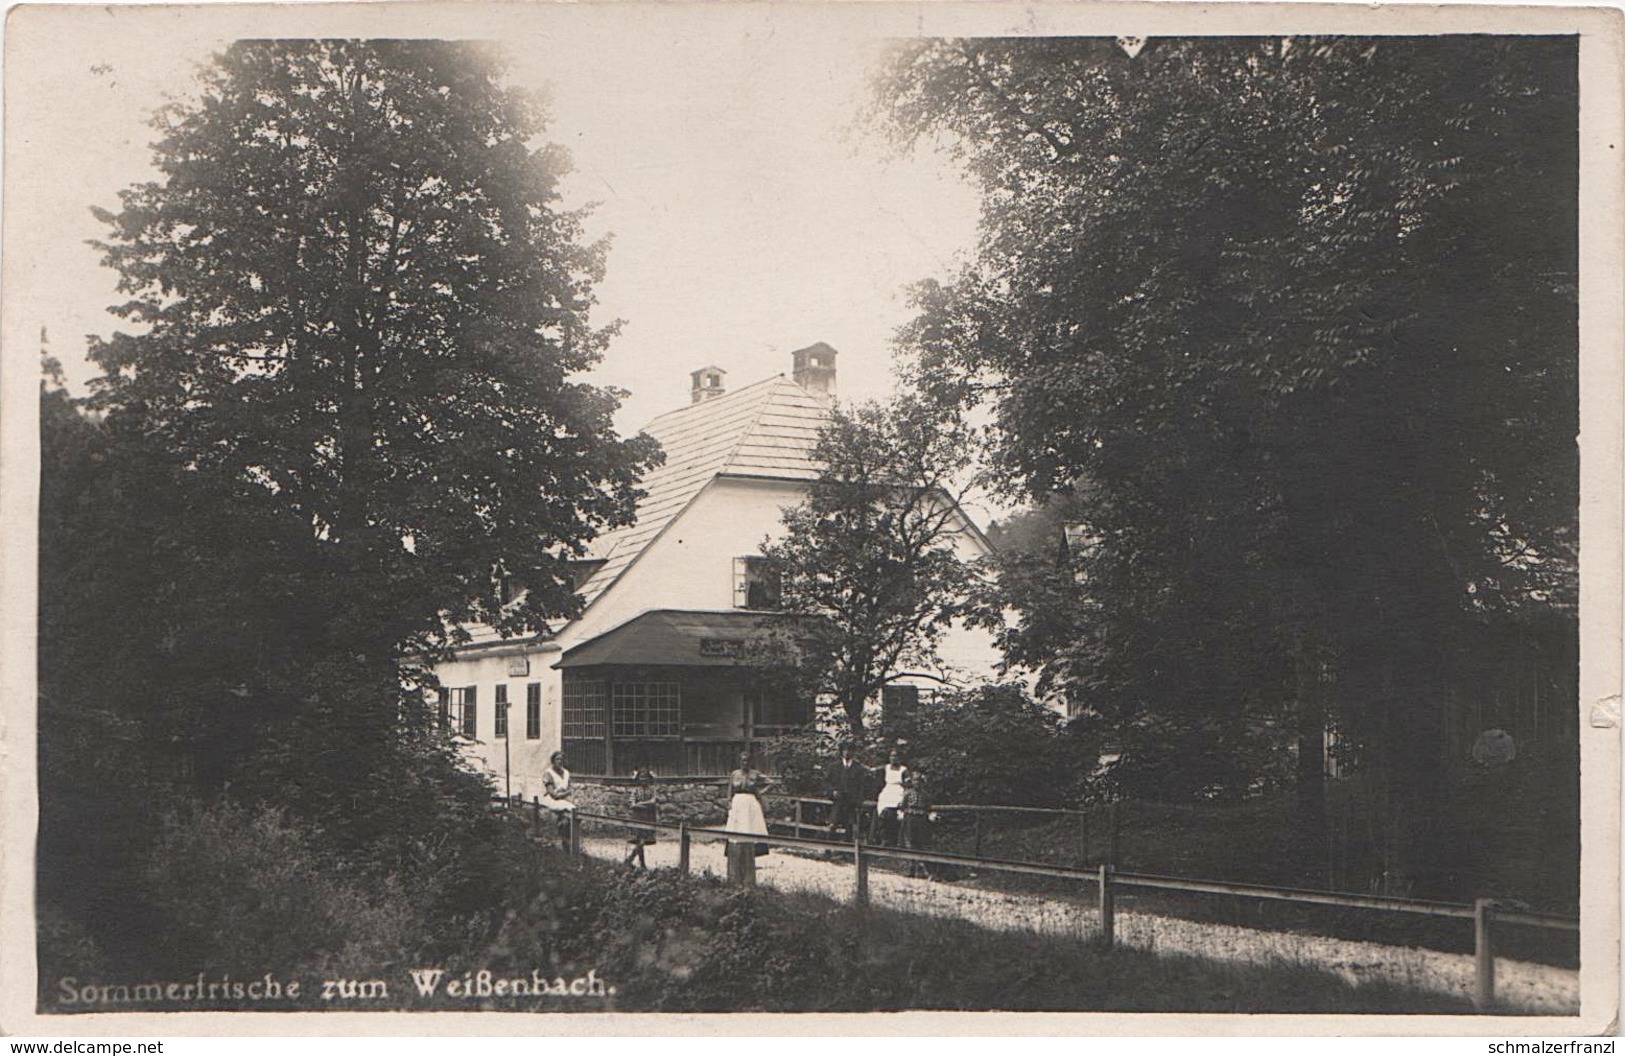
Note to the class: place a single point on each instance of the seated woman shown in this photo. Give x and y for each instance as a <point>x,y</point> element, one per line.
<point>556,786</point>
<point>745,786</point>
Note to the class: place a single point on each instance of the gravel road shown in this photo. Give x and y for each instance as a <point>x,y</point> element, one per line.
<point>1522,987</point>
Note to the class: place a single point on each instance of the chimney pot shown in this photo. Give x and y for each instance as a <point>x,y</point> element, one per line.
<point>815,369</point>
<point>707,384</point>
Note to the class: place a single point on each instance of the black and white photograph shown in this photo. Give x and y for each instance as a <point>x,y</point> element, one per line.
<point>621,509</point>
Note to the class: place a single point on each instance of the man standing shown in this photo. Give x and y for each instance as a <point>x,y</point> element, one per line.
<point>849,788</point>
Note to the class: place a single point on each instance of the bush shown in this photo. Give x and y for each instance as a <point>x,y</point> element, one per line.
<point>239,890</point>
<point>992,744</point>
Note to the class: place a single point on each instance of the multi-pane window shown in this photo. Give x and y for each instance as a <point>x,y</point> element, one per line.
<point>647,709</point>
<point>756,584</point>
<point>459,709</point>
<point>533,711</point>
<point>583,710</point>
<point>502,710</point>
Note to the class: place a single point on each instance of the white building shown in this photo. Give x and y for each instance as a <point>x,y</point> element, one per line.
<point>650,672</point>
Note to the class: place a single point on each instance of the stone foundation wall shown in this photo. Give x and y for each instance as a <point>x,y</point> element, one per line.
<point>699,801</point>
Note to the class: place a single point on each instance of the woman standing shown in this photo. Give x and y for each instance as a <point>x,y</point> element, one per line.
<point>745,802</point>
<point>645,808</point>
<point>555,795</point>
<point>890,801</point>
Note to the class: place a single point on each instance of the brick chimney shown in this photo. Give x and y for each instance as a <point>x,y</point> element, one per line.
<point>707,384</point>
<point>815,369</point>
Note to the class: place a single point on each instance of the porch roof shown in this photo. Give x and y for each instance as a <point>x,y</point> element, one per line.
<point>674,638</point>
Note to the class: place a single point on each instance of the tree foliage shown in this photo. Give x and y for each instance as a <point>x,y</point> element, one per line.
<point>1286,329</point>
<point>344,406</point>
<point>357,292</point>
<point>870,568</point>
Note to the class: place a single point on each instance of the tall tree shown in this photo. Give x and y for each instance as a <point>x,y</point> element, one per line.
<point>1299,316</point>
<point>871,567</point>
<point>347,406</point>
<point>356,290</point>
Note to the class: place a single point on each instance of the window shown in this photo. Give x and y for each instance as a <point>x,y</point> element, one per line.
<point>756,584</point>
<point>647,709</point>
<point>533,711</point>
<point>899,700</point>
<point>583,710</point>
<point>459,709</point>
<point>502,710</point>
<point>777,713</point>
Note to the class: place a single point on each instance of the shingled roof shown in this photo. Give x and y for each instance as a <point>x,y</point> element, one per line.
<point>765,430</point>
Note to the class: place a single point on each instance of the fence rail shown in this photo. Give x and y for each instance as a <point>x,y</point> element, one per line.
<point>1485,912</point>
<point>977,811</point>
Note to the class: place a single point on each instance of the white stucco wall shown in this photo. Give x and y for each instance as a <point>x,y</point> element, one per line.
<point>520,759</point>
<point>689,566</point>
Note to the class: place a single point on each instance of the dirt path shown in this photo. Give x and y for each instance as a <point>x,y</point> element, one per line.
<point>1521,986</point>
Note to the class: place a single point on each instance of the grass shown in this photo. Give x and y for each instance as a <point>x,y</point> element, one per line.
<point>1507,838</point>
<point>677,944</point>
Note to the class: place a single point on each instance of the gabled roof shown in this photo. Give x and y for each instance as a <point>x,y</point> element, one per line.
<point>765,430</point>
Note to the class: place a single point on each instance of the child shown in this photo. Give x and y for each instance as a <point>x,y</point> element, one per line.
<point>915,822</point>
<point>646,808</point>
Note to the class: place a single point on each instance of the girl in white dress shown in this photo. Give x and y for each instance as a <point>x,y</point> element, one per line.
<point>890,801</point>
<point>555,795</point>
<point>745,803</point>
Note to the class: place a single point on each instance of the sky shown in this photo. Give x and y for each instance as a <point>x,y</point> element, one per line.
<point>749,215</point>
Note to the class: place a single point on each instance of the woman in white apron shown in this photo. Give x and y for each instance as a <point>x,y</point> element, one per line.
<point>555,795</point>
<point>888,805</point>
<point>745,802</point>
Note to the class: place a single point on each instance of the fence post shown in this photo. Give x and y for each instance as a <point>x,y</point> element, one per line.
<point>682,847</point>
<point>977,814</point>
<point>861,860</point>
<point>575,835</point>
<point>1108,923</point>
<point>798,817</point>
<point>536,816</point>
<point>1484,954</point>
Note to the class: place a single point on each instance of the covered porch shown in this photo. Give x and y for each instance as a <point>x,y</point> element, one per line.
<point>673,691</point>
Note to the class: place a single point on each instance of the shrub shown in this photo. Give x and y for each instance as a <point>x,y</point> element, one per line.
<point>241,890</point>
<point>992,744</point>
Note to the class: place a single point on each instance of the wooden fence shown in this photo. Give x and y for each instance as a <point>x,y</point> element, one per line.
<point>978,812</point>
<point>1485,913</point>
